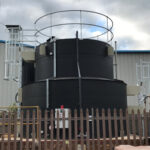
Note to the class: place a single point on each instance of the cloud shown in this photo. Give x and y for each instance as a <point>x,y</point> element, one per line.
<point>131,17</point>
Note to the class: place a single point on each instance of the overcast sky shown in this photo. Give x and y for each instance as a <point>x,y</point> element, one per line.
<point>131,17</point>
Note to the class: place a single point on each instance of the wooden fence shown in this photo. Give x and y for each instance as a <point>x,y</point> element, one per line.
<point>89,129</point>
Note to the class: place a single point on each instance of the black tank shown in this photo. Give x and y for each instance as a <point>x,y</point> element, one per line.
<point>93,60</point>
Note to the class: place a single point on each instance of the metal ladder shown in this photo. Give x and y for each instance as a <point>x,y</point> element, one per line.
<point>13,48</point>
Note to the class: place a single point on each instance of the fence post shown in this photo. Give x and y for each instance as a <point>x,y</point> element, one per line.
<point>121,127</point>
<point>133,128</point>
<point>81,129</point>
<point>64,132</point>
<point>39,129</point>
<point>116,127</point>
<point>21,130</point>
<point>127,126</point>
<point>33,130</point>
<point>52,128</point>
<point>98,129</point>
<point>3,129</point>
<point>57,130</point>
<point>110,129</point>
<point>93,142</point>
<point>45,129</point>
<point>70,131</point>
<point>87,127</point>
<point>104,129</point>
<point>14,125</point>
<point>140,126</point>
<point>9,129</point>
<point>145,128</point>
<point>75,126</point>
<point>27,130</point>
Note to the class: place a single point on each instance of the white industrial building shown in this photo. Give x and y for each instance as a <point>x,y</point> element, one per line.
<point>133,68</point>
<point>8,88</point>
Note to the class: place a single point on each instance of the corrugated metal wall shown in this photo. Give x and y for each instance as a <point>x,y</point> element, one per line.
<point>8,89</point>
<point>127,70</point>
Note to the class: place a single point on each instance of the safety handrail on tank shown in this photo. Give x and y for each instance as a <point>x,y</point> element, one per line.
<point>81,23</point>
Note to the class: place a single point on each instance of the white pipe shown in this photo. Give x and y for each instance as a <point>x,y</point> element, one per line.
<point>47,93</point>
<point>6,63</point>
<point>116,63</point>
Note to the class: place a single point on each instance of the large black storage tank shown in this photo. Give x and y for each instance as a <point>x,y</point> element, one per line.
<point>92,86</point>
<point>93,59</point>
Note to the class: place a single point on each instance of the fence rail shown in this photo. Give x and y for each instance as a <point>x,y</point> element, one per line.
<point>84,129</point>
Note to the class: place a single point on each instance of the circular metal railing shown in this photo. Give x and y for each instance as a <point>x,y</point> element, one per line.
<point>64,24</point>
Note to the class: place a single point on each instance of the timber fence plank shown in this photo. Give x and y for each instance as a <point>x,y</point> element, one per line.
<point>64,132</point>
<point>93,129</point>
<point>121,127</point>
<point>116,126</point>
<point>70,131</point>
<point>81,129</point>
<point>127,127</point>
<point>39,130</point>
<point>9,130</point>
<point>27,130</point>
<point>133,128</point>
<point>110,129</point>
<point>15,130</point>
<point>33,130</point>
<point>104,129</point>
<point>98,129</point>
<point>145,127</point>
<point>76,128</point>
<point>45,130</point>
<point>52,129</point>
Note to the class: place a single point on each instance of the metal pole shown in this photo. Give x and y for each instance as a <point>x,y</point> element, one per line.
<point>47,93</point>
<point>6,62</point>
<point>54,58</point>
<point>79,72</point>
<point>116,70</point>
<point>81,23</point>
<point>107,30</point>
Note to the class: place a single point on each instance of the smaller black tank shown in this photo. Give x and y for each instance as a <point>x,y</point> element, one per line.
<point>93,59</point>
